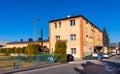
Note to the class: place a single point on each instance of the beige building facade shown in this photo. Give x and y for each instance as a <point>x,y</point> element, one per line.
<point>79,33</point>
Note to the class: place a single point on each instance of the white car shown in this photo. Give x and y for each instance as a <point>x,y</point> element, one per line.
<point>113,53</point>
<point>106,55</point>
<point>94,54</point>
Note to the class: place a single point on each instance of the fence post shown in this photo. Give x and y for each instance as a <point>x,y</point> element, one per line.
<point>37,60</point>
<point>19,62</point>
<point>51,59</point>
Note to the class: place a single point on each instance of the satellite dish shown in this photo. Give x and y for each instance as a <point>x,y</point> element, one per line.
<point>68,16</point>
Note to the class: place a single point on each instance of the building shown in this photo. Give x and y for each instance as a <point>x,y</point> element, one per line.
<point>79,33</point>
<point>22,44</point>
<point>113,47</point>
<point>3,44</point>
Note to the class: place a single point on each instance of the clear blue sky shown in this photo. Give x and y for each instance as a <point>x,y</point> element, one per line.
<point>17,16</point>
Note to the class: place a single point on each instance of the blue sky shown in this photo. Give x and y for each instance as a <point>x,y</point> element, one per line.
<point>17,16</point>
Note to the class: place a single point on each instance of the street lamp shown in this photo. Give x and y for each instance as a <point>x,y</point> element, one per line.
<point>35,20</point>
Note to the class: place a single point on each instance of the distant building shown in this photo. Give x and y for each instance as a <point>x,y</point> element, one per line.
<point>22,44</point>
<point>113,45</point>
<point>3,44</point>
<point>79,33</point>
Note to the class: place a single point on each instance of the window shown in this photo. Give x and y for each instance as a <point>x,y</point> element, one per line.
<point>72,22</point>
<point>55,25</point>
<point>73,50</point>
<point>57,38</point>
<point>59,24</point>
<point>87,38</point>
<point>73,37</point>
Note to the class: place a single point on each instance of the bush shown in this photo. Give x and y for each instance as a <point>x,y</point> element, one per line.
<point>8,51</point>
<point>60,49</point>
<point>32,49</point>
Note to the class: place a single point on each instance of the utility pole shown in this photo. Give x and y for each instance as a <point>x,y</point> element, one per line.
<point>35,20</point>
<point>41,32</point>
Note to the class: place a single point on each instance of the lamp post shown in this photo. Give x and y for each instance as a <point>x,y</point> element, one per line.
<point>35,20</point>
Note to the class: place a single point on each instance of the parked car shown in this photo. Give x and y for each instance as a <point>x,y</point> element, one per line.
<point>106,55</point>
<point>113,53</point>
<point>70,57</point>
<point>94,54</point>
<point>110,54</point>
<point>90,57</point>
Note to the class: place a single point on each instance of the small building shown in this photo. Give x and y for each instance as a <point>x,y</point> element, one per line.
<point>113,47</point>
<point>3,44</point>
<point>22,44</point>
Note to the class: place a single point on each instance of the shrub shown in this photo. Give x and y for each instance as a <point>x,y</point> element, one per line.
<point>60,49</point>
<point>32,49</point>
<point>7,51</point>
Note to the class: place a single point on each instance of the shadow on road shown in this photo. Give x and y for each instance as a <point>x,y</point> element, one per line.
<point>104,67</point>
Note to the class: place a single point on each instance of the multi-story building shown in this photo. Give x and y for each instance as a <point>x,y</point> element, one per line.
<point>79,33</point>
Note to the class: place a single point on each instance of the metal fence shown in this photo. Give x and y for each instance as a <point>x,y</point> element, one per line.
<point>27,61</point>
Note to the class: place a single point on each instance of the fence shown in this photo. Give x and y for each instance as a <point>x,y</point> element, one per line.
<point>27,61</point>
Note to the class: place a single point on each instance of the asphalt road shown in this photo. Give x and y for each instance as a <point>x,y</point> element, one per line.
<point>107,66</point>
<point>58,69</point>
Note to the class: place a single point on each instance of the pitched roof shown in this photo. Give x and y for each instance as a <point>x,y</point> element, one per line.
<point>17,42</point>
<point>75,17</point>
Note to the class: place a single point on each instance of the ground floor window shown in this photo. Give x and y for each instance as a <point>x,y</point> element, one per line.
<point>73,50</point>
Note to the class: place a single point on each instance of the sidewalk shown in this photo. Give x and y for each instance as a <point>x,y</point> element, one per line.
<point>27,68</point>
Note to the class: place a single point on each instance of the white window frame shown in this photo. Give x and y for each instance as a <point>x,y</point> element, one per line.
<point>73,50</point>
<point>55,25</point>
<point>59,24</point>
<point>57,38</point>
<point>72,22</point>
<point>73,37</point>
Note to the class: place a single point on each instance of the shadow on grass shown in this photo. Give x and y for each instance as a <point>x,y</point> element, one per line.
<point>105,67</point>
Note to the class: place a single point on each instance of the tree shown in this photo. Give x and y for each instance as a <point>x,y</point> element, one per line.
<point>60,49</point>
<point>119,46</point>
<point>23,49</point>
<point>30,39</point>
<point>1,50</point>
<point>8,51</point>
<point>15,50</point>
<point>105,38</point>
<point>32,49</point>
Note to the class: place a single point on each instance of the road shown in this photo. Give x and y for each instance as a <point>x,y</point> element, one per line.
<point>107,66</point>
<point>58,69</point>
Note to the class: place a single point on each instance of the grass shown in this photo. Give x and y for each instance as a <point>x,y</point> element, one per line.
<point>7,56</point>
<point>25,62</point>
<point>12,64</point>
